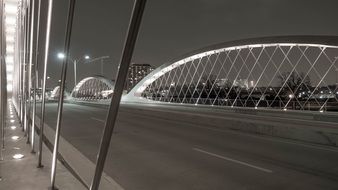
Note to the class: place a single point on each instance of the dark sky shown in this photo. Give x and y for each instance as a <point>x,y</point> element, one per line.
<point>172,28</point>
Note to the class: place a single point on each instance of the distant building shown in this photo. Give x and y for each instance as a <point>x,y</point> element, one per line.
<point>136,73</point>
<point>242,83</point>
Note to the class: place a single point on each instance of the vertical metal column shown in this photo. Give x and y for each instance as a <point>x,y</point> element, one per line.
<point>36,78</point>
<point>20,40</point>
<point>129,45</point>
<point>1,57</point>
<point>42,121</point>
<point>1,82</point>
<point>30,78</point>
<point>29,69</point>
<point>24,18</point>
<point>62,88</point>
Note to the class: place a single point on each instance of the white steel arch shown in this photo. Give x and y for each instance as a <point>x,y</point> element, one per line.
<point>95,87</point>
<point>244,61</point>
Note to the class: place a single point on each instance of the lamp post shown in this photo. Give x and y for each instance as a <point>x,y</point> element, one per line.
<point>75,61</point>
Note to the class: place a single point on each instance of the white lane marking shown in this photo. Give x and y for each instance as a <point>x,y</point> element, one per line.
<point>96,119</point>
<point>273,139</point>
<point>233,160</point>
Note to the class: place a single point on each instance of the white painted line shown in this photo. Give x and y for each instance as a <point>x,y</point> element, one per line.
<point>233,160</point>
<point>274,139</point>
<point>96,119</point>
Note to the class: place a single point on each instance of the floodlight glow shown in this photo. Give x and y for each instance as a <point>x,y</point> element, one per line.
<point>18,156</point>
<point>13,127</point>
<point>11,116</point>
<point>86,57</point>
<point>9,49</point>
<point>9,87</point>
<point>10,68</point>
<point>15,138</point>
<point>11,9</point>
<point>10,20</point>
<point>61,55</point>
<point>321,111</point>
<point>10,30</point>
<point>9,77</point>
<point>10,38</point>
<point>12,120</point>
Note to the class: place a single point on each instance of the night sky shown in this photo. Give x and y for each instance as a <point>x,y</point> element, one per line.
<point>175,27</point>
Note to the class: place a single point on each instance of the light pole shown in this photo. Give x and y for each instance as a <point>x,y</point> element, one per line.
<point>75,61</point>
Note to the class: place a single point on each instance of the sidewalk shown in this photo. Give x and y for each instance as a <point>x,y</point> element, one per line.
<point>23,174</point>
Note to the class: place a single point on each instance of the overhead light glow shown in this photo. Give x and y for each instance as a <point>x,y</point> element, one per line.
<point>13,127</point>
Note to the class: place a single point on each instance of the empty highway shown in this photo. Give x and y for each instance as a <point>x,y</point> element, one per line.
<point>165,147</point>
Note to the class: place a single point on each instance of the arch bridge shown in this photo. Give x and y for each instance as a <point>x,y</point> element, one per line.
<point>288,72</point>
<point>93,88</point>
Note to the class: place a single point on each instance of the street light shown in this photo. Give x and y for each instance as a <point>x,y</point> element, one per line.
<point>62,56</point>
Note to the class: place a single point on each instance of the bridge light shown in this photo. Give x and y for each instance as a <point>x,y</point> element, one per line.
<point>18,156</point>
<point>87,57</point>
<point>61,55</point>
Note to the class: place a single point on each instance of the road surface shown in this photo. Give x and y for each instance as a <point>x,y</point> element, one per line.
<point>162,147</point>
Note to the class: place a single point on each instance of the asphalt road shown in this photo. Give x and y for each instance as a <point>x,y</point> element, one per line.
<point>160,147</point>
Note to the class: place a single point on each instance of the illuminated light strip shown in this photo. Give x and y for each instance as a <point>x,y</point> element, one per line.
<point>204,54</point>
<point>11,9</point>
<point>10,38</point>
